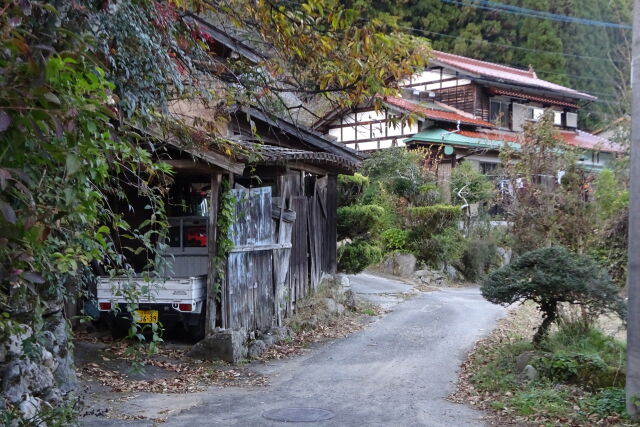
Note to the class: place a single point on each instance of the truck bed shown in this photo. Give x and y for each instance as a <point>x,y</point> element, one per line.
<point>173,290</point>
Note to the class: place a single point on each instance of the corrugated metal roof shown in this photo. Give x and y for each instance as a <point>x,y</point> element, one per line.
<point>462,138</point>
<point>502,72</point>
<point>433,114</point>
<point>542,99</point>
<point>496,140</point>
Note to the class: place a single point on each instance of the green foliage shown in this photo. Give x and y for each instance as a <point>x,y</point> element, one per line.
<point>439,249</point>
<point>394,239</point>
<point>469,185</point>
<point>580,354</point>
<point>350,188</point>
<point>355,257</point>
<point>583,357</point>
<point>610,196</point>
<point>428,194</point>
<point>550,276</point>
<point>377,194</point>
<point>359,221</point>
<point>478,258</point>
<point>433,234</point>
<point>549,402</point>
<point>610,249</point>
<point>400,171</point>
<point>226,218</point>
<point>429,220</point>
<point>578,337</point>
<point>609,401</point>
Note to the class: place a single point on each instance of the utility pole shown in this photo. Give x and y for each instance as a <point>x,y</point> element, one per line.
<point>633,271</point>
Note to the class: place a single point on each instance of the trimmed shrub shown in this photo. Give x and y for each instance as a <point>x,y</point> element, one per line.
<point>355,257</point>
<point>439,249</point>
<point>550,276</point>
<point>350,188</point>
<point>433,234</point>
<point>478,258</point>
<point>359,221</point>
<point>428,194</point>
<point>429,220</point>
<point>394,239</point>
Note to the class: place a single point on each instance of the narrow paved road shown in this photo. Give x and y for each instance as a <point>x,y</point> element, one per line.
<point>396,372</point>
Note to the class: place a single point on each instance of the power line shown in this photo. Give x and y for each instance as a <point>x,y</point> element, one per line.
<point>599,58</point>
<point>516,10</point>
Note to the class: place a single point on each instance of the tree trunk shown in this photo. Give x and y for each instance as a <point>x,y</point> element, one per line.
<point>550,312</point>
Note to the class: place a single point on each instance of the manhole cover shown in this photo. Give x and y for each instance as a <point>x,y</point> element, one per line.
<point>298,415</point>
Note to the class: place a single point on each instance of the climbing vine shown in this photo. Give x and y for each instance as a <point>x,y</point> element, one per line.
<point>224,244</point>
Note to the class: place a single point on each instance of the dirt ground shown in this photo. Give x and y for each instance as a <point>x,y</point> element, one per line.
<point>107,373</point>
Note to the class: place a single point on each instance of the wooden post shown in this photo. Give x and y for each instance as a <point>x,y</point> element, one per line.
<point>332,235</point>
<point>633,270</point>
<point>212,245</point>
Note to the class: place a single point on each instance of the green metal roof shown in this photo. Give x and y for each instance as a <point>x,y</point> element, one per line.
<point>441,136</point>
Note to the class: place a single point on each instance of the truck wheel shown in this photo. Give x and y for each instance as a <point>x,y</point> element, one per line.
<point>195,330</point>
<point>119,328</point>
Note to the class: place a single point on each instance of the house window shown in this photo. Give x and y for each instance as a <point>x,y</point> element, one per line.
<point>499,113</point>
<point>557,118</point>
<point>488,168</point>
<point>537,113</point>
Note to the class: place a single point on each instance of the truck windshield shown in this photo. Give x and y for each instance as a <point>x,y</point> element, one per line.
<point>188,209</point>
<point>188,198</point>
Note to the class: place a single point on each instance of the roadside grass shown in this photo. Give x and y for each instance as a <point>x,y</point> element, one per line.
<point>580,375</point>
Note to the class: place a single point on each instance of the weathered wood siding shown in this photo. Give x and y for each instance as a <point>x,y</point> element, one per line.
<point>249,291</point>
<point>313,240</point>
<point>283,247</point>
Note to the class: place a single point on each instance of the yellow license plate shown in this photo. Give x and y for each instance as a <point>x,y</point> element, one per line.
<point>147,316</point>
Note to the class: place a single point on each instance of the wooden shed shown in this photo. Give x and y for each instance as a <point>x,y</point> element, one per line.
<point>284,184</point>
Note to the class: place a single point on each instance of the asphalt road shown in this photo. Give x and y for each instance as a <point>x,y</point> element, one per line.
<point>396,372</point>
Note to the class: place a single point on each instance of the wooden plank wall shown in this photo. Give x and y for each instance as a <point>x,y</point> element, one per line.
<point>249,293</point>
<point>298,281</point>
<point>330,248</point>
<point>257,294</point>
<point>460,97</point>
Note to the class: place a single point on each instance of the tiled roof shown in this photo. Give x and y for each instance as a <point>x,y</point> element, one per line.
<point>272,154</point>
<point>493,136</point>
<point>588,141</point>
<point>542,99</point>
<point>447,116</point>
<point>502,72</point>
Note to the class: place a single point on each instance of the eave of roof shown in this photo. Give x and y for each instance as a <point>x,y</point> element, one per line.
<point>312,138</point>
<point>433,114</point>
<point>500,73</point>
<point>271,154</point>
<point>225,38</point>
<point>529,97</point>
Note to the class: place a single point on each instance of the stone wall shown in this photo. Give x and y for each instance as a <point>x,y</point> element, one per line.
<point>36,368</point>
